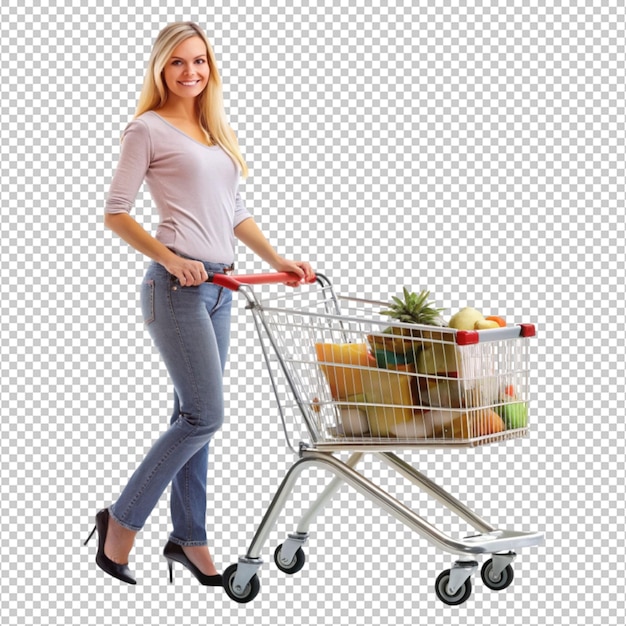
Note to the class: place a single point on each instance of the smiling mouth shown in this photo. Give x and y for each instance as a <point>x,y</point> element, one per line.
<point>190,83</point>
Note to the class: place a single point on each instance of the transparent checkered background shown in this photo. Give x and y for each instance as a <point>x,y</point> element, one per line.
<point>473,148</point>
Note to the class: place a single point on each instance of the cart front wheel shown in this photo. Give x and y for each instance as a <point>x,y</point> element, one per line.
<point>295,565</point>
<point>497,583</point>
<point>244,595</point>
<point>441,589</point>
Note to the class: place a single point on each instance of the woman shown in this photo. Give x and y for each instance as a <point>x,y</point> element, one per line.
<point>181,143</point>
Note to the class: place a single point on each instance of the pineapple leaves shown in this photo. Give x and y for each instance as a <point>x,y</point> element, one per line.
<point>414,309</point>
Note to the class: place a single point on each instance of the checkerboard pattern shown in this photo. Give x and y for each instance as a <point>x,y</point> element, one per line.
<point>473,148</point>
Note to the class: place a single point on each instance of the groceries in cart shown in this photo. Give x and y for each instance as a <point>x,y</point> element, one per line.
<point>424,378</point>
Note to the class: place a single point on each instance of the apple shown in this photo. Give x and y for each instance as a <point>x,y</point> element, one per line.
<point>514,414</point>
<point>465,319</point>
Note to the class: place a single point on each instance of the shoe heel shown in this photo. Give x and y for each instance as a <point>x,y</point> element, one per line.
<point>171,568</point>
<point>90,536</point>
<point>173,552</point>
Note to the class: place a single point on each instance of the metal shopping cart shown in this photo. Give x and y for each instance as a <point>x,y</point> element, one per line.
<point>357,383</point>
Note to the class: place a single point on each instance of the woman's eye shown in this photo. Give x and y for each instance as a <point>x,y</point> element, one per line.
<point>178,61</point>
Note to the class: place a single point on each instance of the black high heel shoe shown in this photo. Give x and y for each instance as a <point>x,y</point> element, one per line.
<point>173,552</point>
<point>116,570</point>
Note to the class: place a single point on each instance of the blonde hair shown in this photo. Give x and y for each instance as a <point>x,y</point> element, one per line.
<point>210,103</point>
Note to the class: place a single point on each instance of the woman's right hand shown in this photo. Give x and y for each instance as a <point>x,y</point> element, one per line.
<point>189,273</point>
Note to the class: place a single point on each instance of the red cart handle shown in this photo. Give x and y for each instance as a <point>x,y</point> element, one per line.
<point>235,281</point>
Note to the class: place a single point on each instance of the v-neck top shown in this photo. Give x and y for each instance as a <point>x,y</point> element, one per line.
<point>195,188</point>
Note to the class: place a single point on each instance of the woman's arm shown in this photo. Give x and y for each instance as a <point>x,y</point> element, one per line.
<point>187,271</point>
<point>135,157</point>
<point>250,234</point>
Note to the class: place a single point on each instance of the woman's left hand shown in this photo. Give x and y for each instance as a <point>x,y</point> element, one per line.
<point>301,268</point>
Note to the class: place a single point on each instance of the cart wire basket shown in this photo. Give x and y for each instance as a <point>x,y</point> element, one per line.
<point>355,382</point>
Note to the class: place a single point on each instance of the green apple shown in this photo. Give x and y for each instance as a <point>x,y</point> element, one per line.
<point>514,414</point>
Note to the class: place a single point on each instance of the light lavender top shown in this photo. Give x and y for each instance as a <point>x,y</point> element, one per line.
<point>195,188</point>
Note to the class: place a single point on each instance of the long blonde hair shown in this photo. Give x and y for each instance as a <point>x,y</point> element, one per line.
<point>210,103</point>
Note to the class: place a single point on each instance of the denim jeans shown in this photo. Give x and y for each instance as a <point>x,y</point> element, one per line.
<point>190,327</point>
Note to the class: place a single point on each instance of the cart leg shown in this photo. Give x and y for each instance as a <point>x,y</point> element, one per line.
<point>326,495</point>
<point>437,492</point>
<point>237,577</point>
<point>275,508</point>
<point>365,487</point>
<point>298,539</point>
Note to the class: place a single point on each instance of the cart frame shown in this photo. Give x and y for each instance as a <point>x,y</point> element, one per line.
<point>454,585</point>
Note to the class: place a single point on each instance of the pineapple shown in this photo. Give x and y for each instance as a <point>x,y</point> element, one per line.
<point>415,309</point>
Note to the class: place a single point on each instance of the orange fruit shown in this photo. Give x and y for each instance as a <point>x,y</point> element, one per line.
<point>499,320</point>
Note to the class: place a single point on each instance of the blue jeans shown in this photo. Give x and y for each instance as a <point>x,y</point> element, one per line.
<point>190,327</point>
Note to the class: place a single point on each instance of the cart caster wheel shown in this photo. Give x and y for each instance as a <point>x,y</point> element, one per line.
<point>441,589</point>
<point>296,564</point>
<point>245,595</point>
<point>499,583</point>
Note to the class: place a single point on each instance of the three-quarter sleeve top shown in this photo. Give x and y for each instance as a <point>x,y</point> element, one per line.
<point>195,188</point>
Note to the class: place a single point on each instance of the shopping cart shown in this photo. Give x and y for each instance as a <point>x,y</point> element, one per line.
<point>358,383</point>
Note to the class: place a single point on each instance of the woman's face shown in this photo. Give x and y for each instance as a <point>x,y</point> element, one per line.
<point>186,72</point>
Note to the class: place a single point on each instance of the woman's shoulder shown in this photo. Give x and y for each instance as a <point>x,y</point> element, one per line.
<point>136,123</point>
<point>137,137</point>
<point>148,119</point>
<point>150,126</point>
<point>145,121</point>
<point>140,128</point>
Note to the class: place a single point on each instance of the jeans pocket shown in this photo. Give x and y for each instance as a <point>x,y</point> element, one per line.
<point>147,301</point>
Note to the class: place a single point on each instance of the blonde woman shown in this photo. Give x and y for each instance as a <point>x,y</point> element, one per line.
<point>182,145</point>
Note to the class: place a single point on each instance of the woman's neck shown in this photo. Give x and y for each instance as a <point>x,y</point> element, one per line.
<point>182,109</point>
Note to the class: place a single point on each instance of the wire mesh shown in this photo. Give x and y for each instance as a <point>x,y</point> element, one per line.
<point>354,379</point>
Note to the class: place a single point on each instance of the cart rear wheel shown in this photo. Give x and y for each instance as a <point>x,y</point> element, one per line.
<point>499,582</point>
<point>461,595</point>
<point>245,595</point>
<point>295,565</point>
